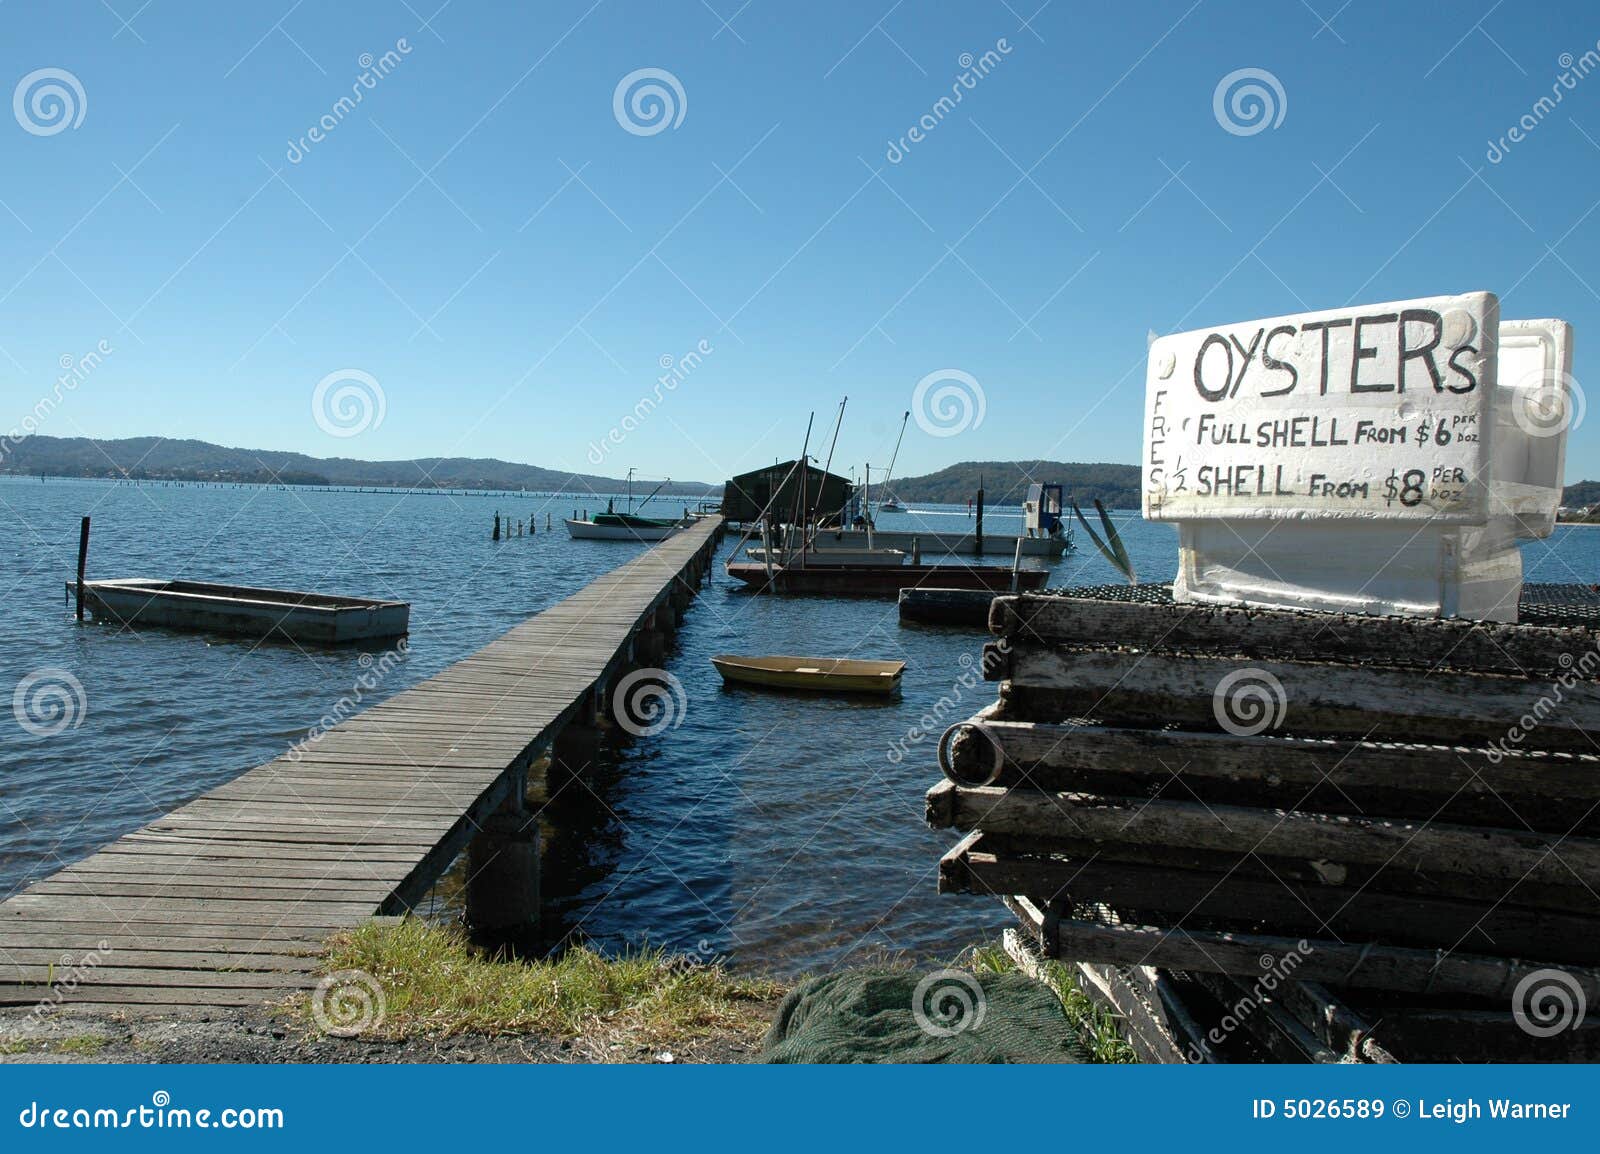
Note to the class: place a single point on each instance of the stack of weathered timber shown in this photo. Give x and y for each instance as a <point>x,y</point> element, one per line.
<point>1264,833</point>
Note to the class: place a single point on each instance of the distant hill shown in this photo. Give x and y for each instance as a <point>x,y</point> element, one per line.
<point>1582,493</point>
<point>1006,482</point>
<point>153,458</point>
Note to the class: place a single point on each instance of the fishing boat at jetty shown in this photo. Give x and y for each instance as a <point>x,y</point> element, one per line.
<point>818,674</point>
<point>627,525</point>
<point>318,618</point>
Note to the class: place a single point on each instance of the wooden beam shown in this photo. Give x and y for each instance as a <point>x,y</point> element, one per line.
<point>1314,959</point>
<point>1303,698</point>
<point>1465,851</point>
<point>1417,642</point>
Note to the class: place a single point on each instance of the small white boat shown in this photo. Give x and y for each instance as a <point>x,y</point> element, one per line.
<point>319,618</point>
<point>620,530</point>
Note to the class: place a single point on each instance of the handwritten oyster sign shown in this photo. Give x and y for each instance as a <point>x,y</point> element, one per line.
<point>1377,411</point>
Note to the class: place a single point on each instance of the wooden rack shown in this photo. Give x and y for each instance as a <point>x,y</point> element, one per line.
<point>1346,838</point>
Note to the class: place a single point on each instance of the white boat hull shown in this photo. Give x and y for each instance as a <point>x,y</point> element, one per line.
<point>589,531</point>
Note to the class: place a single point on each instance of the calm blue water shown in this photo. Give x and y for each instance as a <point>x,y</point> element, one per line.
<point>770,829</point>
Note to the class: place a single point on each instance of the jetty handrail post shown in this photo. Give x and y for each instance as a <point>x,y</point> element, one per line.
<point>83,560</point>
<point>1016,566</point>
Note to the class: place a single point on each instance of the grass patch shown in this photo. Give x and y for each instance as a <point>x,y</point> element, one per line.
<point>436,983</point>
<point>1095,1024</point>
<point>82,1044</point>
<point>10,1046</point>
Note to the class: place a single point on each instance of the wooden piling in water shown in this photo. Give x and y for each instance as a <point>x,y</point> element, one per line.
<point>83,560</point>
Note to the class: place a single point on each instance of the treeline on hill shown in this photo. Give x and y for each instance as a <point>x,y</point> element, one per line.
<point>1582,494</point>
<point>1006,483</point>
<point>155,458</point>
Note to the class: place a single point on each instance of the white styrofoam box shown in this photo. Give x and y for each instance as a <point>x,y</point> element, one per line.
<point>1377,459</point>
<point>1380,567</point>
<point>1535,403</point>
<point>1377,411</point>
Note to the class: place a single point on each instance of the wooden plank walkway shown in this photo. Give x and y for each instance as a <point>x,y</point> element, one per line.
<point>226,901</point>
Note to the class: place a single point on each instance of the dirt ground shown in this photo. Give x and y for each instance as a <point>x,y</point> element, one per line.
<point>266,1036</point>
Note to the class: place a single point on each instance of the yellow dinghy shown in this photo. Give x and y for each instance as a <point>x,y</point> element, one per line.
<point>826,674</point>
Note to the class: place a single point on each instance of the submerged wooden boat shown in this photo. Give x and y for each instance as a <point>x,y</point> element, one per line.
<point>883,580</point>
<point>930,606</point>
<point>824,674</point>
<point>319,618</point>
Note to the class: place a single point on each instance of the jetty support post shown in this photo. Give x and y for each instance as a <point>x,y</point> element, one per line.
<point>503,867</point>
<point>575,749</point>
<point>83,560</point>
<point>1016,566</point>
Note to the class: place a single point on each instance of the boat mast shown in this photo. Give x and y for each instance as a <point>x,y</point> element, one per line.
<point>800,498</point>
<point>653,492</point>
<point>837,422</point>
<point>903,419</point>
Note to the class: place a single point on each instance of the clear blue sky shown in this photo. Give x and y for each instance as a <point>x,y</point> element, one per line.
<point>482,236</point>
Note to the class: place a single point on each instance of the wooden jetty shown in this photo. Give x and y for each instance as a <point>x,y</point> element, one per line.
<point>226,901</point>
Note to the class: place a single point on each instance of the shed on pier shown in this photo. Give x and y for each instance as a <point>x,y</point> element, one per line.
<point>745,497</point>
